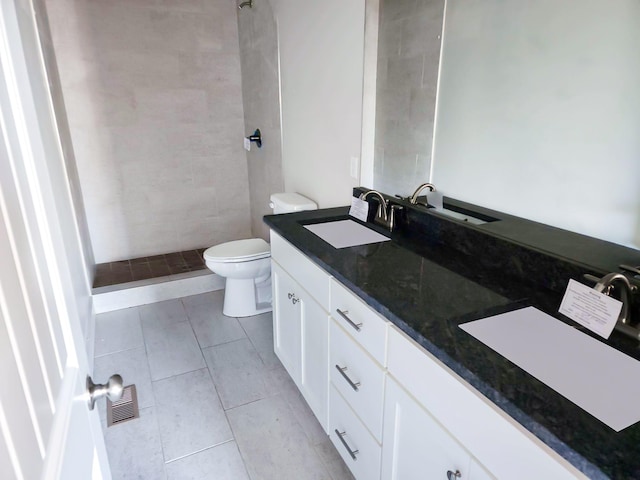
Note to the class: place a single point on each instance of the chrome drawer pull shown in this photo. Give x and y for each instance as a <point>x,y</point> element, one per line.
<point>344,442</point>
<point>353,384</point>
<point>357,326</point>
<point>453,475</point>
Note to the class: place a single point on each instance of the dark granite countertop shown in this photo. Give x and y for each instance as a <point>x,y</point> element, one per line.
<point>438,273</point>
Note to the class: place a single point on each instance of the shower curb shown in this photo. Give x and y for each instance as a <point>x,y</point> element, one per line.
<point>142,292</point>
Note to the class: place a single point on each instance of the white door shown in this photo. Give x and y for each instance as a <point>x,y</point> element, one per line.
<point>46,428</point>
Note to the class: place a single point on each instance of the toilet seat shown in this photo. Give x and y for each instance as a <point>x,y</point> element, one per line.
<point>238,251</point>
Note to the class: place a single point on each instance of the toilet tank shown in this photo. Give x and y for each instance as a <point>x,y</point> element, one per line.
<point>291,202</point>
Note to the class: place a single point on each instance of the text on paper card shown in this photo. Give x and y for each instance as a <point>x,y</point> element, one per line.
<point>594,310</point>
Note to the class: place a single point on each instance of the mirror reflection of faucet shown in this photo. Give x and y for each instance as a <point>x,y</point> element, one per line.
<point>413,199</point>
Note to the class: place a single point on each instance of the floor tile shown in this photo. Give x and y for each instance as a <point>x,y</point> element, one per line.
<point>117,331</point>
<point>332,460</point>
<point>190,416</point>
<point>134,448</point>
<point>238,373</point>
<point>220,463</point>
<point>298,406</point>
<point>259,329</point>
<point>276,433</point>
<point>133,367</point>
<point>212,327</point>
<point>272,443</point>
<point>172,350</point>
<point>215,299</point>
<point>162,314</point>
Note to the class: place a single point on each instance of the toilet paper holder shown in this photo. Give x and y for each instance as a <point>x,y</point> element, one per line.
<point>256,138</point>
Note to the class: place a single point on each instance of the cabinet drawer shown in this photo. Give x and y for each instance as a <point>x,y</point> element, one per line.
<point>357,377</point>
<point>363,324</point>
<point>353,440</point>
<point>311,277</point>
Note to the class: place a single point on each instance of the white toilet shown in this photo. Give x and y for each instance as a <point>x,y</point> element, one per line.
<point>246,264</point>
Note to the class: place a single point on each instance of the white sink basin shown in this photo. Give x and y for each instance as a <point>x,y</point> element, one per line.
<point>345,233</point>
<point>591,374</point>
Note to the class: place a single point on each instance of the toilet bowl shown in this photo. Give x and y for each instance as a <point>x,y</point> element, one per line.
<point>246,264</point>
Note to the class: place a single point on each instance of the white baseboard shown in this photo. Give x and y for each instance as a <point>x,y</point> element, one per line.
<point>117,297</point>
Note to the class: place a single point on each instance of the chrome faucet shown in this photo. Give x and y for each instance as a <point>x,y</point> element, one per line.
<point>414,198</point>
<point>381,214</point>
<point>386,214</point>
<point>627,289</point>
<point>611,280</point>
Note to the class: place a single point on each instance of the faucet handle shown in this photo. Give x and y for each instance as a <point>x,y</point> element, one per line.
<point>392,215</point>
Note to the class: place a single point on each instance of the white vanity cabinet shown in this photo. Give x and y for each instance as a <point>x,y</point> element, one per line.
<point>392,409</point>
<point>301,323</point>
<point>417,447</point>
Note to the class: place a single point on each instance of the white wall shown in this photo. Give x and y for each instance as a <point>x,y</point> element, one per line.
<point>539,112</point>
<point>321,45</point>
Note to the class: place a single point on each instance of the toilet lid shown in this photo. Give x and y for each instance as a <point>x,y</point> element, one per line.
<point>238,250</point>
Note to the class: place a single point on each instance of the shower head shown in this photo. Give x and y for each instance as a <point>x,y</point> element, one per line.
<point>248,3</point>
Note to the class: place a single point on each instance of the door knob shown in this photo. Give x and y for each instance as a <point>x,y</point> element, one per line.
<point>112,390</point>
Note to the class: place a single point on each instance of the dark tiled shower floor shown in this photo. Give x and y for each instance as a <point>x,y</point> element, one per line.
<point>143,268</point>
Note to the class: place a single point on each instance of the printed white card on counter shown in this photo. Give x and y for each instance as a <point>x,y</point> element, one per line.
<point>359,209</point>
<point>594,310</point>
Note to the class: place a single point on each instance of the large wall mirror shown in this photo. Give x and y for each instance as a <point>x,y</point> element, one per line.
<point>537,111</point>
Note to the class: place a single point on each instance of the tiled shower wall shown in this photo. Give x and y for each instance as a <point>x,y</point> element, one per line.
<point>261,95</point>
<point>154,100</point>
<point>408,58</point>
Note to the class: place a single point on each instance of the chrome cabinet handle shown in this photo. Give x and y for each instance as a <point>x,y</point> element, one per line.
<point>453,475</point>
<point>293,298</point>
<point>353,384</point>
<point>343,314</point>
<point>341,435</point>
<point>112,390</point>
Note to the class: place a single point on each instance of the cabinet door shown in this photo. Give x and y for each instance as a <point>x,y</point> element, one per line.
<point>300,337</point>
<point>286,321</point>
<point>415,446</point>
<point>477,472</point>
<point>315,357</point>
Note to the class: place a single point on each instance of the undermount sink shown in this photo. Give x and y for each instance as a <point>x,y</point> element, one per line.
<point>345,233</point>
<point>465,217</point>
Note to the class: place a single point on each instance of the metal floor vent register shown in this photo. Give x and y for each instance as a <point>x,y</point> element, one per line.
<point>124,409</point>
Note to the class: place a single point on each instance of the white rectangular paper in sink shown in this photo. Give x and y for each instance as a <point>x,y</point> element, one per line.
<point>591,374</point>
<point>345,233</point>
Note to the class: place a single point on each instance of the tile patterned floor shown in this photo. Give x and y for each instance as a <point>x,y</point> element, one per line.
<point>124,271</point>
<point>215,401</point>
